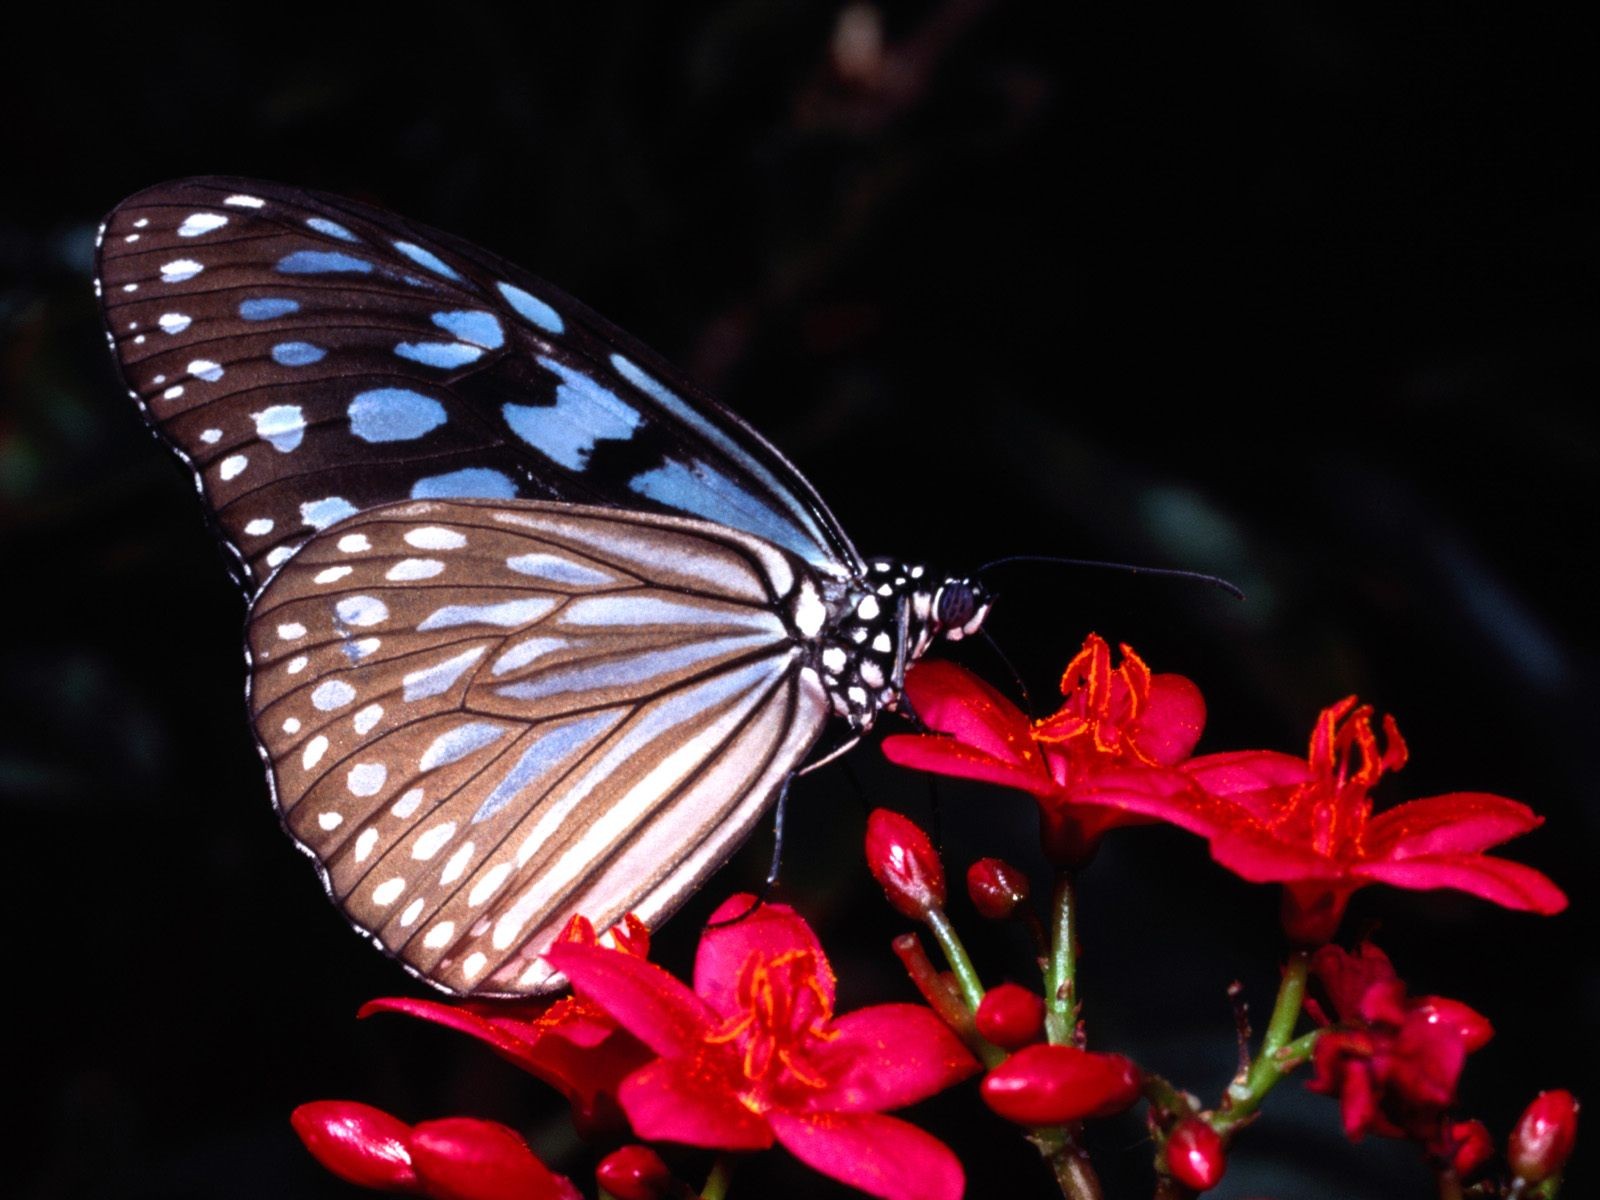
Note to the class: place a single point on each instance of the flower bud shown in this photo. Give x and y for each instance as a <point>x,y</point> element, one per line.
<point>1010,1016</point>
<point>635,1173</point>
<point>1464,1147</point>
<point>997,888</point>
<point>358,1143</point>
<point>1048,1085</point>
<point>1542,1141</point>
<point>903,861</point>
<point>1195,1156</point>
<point>464,1158</point>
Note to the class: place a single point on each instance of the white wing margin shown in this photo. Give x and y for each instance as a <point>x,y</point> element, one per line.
<point>483,718</point>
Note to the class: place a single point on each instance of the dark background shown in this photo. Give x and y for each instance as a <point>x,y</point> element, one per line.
<point>1301,293</point>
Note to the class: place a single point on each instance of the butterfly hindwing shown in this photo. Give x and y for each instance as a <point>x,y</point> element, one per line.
<point>311,357</point>
<point>481,719</point>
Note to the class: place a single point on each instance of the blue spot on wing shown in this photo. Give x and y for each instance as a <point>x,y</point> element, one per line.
<point>426,258</point>
<point>297,354</point>
<point>705,492</point>
<point>318,262</point>
<point>532,309</point>
<point>439,354</point>
<point>319,514</point>
<point>479,328</point>
<point>266,308</point>
<point>584,412</point>
<point>801,532</point>
<point>394,415</point>
<point>331,228</point>
<point>472,483</point>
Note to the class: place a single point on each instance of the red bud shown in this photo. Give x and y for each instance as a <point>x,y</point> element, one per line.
<point>1047,1085</point>
<point>1195,1155</point>
<point>997,888</point>
<point>463,1158</point>
<point>358,1143</point>
<point>903,861</point>
<point>635,1173</point>
<point>1542,1141</point>
<point>1464,1147</point>
<point>1010,1016</point>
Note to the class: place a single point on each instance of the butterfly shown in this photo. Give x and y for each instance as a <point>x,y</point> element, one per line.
<point>536,628</point>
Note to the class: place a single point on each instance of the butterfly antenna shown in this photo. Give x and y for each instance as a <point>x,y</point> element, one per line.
<point>1215,581</point>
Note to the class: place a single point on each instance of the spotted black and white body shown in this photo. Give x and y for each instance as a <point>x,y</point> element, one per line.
<point>536,628</point>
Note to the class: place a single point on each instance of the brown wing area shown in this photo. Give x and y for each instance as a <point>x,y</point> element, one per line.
<point>484,718</point>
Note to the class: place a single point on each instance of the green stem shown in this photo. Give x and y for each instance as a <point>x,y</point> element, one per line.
<point>956,955</point>
<point>721,1177</point>
<point>1060,978</point>
<point>1278,1054</point>
<point>1067,1160</point>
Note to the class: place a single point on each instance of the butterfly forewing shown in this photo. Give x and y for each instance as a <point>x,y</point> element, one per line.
<point>311,357</point>
<point>482,719</point>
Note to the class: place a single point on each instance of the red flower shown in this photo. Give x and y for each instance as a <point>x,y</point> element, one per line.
<point>569,1043</point>
<point>1392,1060</point>
<point>1010,1016</point>
<point>458,1158</point>
<point>1049,1085</point>
<point>1320,838</point>
<point>1117,726</point>
<point>755,1054</point>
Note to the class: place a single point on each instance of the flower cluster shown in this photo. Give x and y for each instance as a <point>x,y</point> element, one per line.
<point>753,1054</point>
<point>1118,753</point>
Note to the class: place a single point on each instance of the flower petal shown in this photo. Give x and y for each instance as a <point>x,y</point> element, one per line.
<point>1244,771</point>
<point>671,1100</point>
<point>1171,724</point>
<point>644,999</point>
<point>947,756</point>
<point>951,700</point>
<point>768,930</point>
<point>1498,880</point>
<point>888,1056</point>
<point>1460,823</point>
<point>882,1156</point>
<point>1261,858</point>
<point>462,1158</point>
<point>360,1144</point>
<point>569,1043</point>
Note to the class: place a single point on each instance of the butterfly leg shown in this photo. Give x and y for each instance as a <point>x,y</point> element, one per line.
<point>776,865</point>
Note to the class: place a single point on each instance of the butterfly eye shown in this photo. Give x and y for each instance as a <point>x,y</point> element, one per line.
<point>961,604</point>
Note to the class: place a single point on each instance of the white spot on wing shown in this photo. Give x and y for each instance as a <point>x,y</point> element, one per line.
<point>433,841</point>
<point>414,568</point>
<point>457,864</point>
<point>331,574</point>
<point>315,749</point>
<point>240,201</point>
<point>260,526</point>
<point>367,718</point>
<point>362,610</point>
<point>174,322</point>
<point>407,804</point>
<point>434,537</point>
<point>331,694</point>
<point>387,892</point>
<point>354,543</point>
<point>198,223</point>
<point>232,465</point>
<point>180,269</point>
<point>367,779</point>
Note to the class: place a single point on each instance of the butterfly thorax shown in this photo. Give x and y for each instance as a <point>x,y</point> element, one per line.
<point>881,622</point>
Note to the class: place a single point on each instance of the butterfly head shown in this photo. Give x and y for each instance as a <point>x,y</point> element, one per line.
<point>960,607</point>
